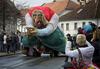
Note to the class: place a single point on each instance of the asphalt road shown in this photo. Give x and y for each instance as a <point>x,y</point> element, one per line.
<point>22,62</point>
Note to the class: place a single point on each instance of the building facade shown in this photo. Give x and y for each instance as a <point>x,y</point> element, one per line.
<point>72,26</point>
<point>8,16</point>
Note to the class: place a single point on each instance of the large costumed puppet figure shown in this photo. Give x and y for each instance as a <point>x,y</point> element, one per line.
<point>42,23</point>
<point>44,27</point>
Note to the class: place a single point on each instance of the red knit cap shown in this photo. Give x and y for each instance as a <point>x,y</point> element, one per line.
<point>46,11</point>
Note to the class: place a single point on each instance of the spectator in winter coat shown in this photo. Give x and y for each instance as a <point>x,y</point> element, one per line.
<point>93,35</point>
<point>4,41</point>
<point>85,47</point>
<point>8,47</point>
<point>1,41</point>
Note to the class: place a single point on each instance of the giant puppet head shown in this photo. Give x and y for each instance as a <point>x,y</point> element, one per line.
<point>41,16</point>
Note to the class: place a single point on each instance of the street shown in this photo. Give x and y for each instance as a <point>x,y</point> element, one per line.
<point>46,28</point>
<point>20,61</point>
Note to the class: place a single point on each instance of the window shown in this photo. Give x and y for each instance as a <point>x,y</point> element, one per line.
<point>83,24</point>
<point>75,26</point>
<point>62,25</point>
<point>67,26</point>
<point>82,2</point>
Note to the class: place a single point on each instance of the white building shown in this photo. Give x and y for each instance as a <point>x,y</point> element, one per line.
<point>72,20</point>
<point>72,26</point>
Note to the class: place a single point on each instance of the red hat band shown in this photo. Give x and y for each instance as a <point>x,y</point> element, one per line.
<point>48,13</point>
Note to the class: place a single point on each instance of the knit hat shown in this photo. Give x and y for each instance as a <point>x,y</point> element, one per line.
<point>48,13</point>
<point>87,28</point>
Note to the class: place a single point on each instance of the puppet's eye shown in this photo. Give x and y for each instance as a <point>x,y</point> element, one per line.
<point>36,15</point>
<point>39,14</point>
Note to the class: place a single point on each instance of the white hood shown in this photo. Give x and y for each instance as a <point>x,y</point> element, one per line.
<point>20,4</point>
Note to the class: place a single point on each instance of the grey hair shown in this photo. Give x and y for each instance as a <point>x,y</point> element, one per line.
<point>81,39</point>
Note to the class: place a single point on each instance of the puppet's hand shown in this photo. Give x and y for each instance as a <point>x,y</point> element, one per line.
<point>31,31</point>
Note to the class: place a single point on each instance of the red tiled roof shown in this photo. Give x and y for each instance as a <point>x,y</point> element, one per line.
<point>58,6</point>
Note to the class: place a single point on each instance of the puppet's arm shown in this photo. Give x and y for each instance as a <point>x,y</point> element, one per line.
<point>52,25</point>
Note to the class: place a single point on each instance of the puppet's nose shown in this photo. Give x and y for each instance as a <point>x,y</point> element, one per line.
<point>36,19</point>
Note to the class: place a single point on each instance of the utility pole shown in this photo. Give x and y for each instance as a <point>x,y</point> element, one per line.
<point>98,12</point>
<point>3,12</point>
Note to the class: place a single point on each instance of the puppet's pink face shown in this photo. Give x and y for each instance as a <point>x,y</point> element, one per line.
<point>37,16</point>
<point>39,19</point>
